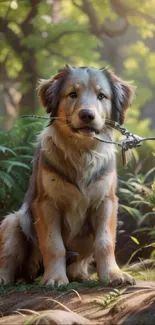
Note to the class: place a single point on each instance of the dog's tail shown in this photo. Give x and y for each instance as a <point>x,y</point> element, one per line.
<point>19,253</point>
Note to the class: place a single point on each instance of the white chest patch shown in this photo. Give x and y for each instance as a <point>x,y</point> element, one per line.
<point>90,181</point>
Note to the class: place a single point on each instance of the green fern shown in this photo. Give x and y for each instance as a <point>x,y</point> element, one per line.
<point>137,198</point>
<point>16,152</point>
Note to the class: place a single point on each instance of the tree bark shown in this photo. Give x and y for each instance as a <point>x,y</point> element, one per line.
<point>28,101</point>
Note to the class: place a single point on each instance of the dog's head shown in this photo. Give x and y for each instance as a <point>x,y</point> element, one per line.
<point>85,99</point>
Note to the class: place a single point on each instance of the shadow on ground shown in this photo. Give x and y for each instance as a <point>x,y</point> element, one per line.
<point>98,305</point>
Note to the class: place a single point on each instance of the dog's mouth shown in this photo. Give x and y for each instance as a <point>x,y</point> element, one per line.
<point>86,130</point>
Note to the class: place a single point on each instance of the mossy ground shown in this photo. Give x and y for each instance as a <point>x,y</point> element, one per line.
<point>145,275</point>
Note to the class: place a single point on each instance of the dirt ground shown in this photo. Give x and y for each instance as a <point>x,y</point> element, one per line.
<point>127,306</point>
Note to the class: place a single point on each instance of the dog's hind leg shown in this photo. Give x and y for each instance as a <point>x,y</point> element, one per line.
<point>13,248</point>
<point>33,265</point>
<point>79,270</point>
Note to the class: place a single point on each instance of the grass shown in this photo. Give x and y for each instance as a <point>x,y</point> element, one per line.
<point>111,297</point>
<point>145,275</point>
<point>35,287</point>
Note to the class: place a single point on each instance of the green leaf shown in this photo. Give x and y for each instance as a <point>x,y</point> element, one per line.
<point>135,213</point>
<point>138,187</point>
<point>7,179</point>
<point>143,229</point>
<point>9,164</point>
<point>4,149</point>
<point>29,157</point>
<point>150,172</point>
<point>152,255</point>
<point>125,191</point>
<point>23,148</point>
<point>140,202</point>
<point>135,240</point>
<point>144,217</point>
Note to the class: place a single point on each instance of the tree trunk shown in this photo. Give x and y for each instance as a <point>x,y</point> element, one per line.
<point>28,102</point>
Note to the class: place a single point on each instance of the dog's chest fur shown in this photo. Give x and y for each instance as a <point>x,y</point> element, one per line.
<point>77,181</point>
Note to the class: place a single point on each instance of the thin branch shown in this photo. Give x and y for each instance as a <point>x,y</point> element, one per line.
<point>97,28</point>
<point>76,4</point>
<point>90,11</point>
<point>26,24</point>
<point>124,10</point>
<point>11,37</point>
<point>113,33</point>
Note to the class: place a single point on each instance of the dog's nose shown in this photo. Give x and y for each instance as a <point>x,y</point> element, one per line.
<point>86,115</point>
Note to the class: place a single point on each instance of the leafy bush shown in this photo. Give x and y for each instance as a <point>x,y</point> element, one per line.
<point>139,200</point>
<point>136,191</point>
<point>16,152</point>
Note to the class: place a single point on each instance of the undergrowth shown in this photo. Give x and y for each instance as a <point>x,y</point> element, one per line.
<point>35,287</point>
<point>147,274</point>
<point>17,148</point>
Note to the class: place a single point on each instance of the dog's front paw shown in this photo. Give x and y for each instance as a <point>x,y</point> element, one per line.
<point>55,279</point>
<point>118,278</point>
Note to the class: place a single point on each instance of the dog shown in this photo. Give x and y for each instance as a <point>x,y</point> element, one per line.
<point>70,205</point>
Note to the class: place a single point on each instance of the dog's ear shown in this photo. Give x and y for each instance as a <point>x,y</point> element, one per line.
<point>122,96</point>
<point>49,90</point>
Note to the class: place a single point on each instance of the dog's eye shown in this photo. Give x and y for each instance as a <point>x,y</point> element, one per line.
<point>100,96</point>
<point>73,94</point>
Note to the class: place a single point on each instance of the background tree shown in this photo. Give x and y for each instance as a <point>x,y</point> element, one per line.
<point>39,36</point>
<point>36,41</point>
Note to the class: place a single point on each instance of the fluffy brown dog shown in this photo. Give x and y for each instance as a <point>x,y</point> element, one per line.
<point>71,203</point>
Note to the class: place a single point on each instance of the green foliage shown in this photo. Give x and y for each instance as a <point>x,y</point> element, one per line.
<point>109,298</point>
<point>137,196</point>
<point>47,39</point>
<point>142,248</point>
<point>139,62</point>
<point>35,287</point>
<point>38,41</point>
<point>16,153</point>
<point>151,196</point>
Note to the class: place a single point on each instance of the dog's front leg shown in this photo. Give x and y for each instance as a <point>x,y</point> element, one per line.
<point>48,226</point>
<point>105,233</point>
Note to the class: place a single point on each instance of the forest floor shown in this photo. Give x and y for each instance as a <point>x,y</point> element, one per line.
<point>85,303</point>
